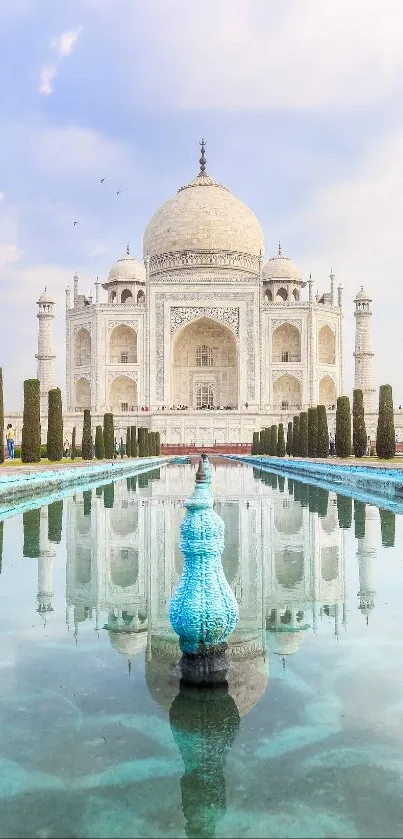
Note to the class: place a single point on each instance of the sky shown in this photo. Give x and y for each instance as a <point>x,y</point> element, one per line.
<point>301,104</point>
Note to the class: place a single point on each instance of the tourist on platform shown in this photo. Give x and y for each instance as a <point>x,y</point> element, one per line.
<point>10,441</point>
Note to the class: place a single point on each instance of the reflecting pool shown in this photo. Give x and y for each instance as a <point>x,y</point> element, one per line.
<point>98,739</point>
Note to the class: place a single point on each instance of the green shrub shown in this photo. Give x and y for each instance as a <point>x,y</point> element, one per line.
<point>273,440</point>
<point>44,450</point>
<point>289,439</point>
<point>281,442</point>
<point>55,521</point>
<point>2,421</point>
<point>54,442</point>
<point>343,427</point>
<point>99,443</point>
<point>359,430</point>
<point>134,451</point>
<point>303,434</point>
<point>17,451</point>
<point>73,453</point>
<point>313,432</point>
<point>323,433</point>
<point>86,444</point>
<point>385,433</point>
<point>372,451</point>
<point>31,523</point>
<point>128,441</point>
<point>109,437</point>
<point>31,428</point>
<point>295,437</point>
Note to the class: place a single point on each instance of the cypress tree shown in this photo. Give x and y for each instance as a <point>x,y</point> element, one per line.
<point>344,511</point>
<point>343,427</point>
<point>303,434</point>
<point>87,498</point>
<point>157,443</point>
<point>359,519</point>
<point>289,439</point>
<point>55,521</point>
<point>312,432</point>
<point>54,442</point>
<point>134,451</point>
<point>31,428</point>
<point>295,437</point>
<point>273,440</point>
<point>388,522</point>
<point>121,448</point>
<point>151,451</point>
<point>99,443</point>
<point>323,433</point>
<point>1,419</point>
<point>31,523</point>
<point>73,444</point>
<point>262,441</point>
<point>86,444</point>
<point>385,433</point>
<point>141,445</point>
<point>109,496</point>
<point>280,441</point>
<point>255,443</point>
<point>128,441</point>
<point>359,430</point>
<point>109,436</point>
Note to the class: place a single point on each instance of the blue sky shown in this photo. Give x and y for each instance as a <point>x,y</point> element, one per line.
<point>301,105</point>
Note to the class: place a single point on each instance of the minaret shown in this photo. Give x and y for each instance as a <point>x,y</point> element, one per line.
<point>363,350</point>
<point>45,355</point>
<point>366,554</point>
<point>45,565</point>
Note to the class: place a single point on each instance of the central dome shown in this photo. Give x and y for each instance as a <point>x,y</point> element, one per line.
<point>203,216</point>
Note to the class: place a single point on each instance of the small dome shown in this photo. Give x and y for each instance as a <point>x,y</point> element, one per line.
<point>280,267</point>
<point>362,295</point>
<point>45,297</point>
<point>203,216</point>
<point>128,643</point>
<point>285,642</point>
<point>127,269</point>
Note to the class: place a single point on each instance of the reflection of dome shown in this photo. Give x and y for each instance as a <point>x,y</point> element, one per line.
<point>280,268</point>
<point>247,678</point>
<point>127,269</point>
<point>285,643</point>
<point>203,216</point>
<point>128,643</point>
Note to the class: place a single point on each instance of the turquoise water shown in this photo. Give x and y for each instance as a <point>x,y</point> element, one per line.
<point>96,737</point>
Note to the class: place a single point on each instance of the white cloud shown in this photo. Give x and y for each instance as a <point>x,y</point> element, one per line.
<point>46,80</point>
<point>2,196</point>
<point>64,44</point>
<point>8,254</point>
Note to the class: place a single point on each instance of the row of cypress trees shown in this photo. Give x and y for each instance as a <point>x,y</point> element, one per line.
<point>307,436</point>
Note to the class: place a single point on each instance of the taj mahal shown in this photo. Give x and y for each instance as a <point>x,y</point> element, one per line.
<point>205,340</point>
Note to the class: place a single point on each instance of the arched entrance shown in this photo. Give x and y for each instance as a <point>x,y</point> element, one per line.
<point>205,366</point>
<point>327,392</point>
<point>123,345</point>
<point>286,343</point>
<point>82,348</point>
<point>326,346</point>
<point>83,394</point>
<point>123,395</point>
<point>287,393</point>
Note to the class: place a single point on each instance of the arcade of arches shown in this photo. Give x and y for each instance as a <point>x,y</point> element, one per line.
<point>205,366</point>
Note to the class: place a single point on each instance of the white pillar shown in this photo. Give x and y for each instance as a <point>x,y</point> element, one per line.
<point>45,355</point>
<point>332,278</point>
<point>363,379</point>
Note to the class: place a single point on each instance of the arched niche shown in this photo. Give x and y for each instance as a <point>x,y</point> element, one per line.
<point>282,293</point>
<point>123,395</point>
<point>188,375</point>
<point>327,392</point>
<point>82,348</point>
<point>124,520</point>
<point>329,522</point>
<point>289,566</point>
<point>83,393</point>
<point>82,565</point>
<point>296,294</point>
<point>326,346</point>
<point>329,563</point>
<point>268,295</point>
<point>127,296</point>
<point>123,345</point>
<point>287,393</point>
<point>286,343</point>
<point>288,519</point>
<point>124,566</point>
<point>141,298</point>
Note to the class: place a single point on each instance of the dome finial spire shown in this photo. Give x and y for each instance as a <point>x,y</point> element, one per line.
<point>128,249</point>
<point>279,248</point>
<point>202,160</point>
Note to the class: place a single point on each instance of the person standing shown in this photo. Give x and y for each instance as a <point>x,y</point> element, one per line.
<point>10,441</point>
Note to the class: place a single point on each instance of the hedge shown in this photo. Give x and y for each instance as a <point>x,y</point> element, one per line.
<point>86,445</point>
<point>99,443</point>
<point>54,440</point>
<point>312,432</point>
<point>303,434</point>
<point>109,436</point>
<point>31,428</point>
<point>359,430</point>
<point>385,433</point>
<point>323,433</point>
<point>343,427</point>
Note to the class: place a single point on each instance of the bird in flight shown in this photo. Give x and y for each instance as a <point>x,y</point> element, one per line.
<point>118,192</point>
<point>102,180</point>
<point>74,223</point>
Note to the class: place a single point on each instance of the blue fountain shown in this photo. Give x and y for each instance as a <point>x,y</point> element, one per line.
<point>203,610</point>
